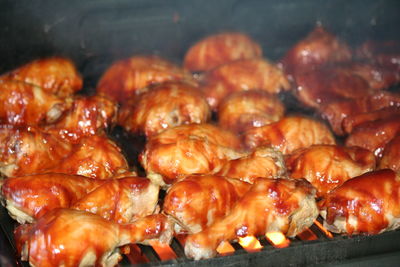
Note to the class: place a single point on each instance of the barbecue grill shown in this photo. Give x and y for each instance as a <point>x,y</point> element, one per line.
<point>96,33</point>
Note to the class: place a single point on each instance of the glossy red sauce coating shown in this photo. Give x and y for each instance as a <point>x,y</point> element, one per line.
<point>369,198</point>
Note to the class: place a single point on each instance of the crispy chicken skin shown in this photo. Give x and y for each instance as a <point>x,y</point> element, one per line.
<point>218,49</point>
<point>24,104</point>
<point>166,105</point>
<point>374,135</point>
<point>344,115</point>
<point>166,160</point>
<point>95,157</point>
<point>262,162</point>
<point>243,110</point>
<point>188,149</point>
<point>124,200</point>
<point>242,75</point>
<point>269,205</point>
<point>391,155</point>
<point>199,200</point>
<point>328,166</point>
<point>53,239</point>
<point>366,204</point>
<point>318,48</point>
<point>30,197</point>
<point>87,116</point>
<point>129,77</point>
<point>289,134</point>
<point>55,75</point>
<point>29,150</point>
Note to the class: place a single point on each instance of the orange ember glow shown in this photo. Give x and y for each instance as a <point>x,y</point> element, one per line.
<point>163,251</point>
<point>307,235</point>
<point>250,243</point>
<point>225,248</point>
<point>277,239</point>
<point>326,232</point>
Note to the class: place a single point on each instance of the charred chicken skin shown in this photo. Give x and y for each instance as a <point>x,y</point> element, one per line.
<point>55,75</point>
<point>263,162</point>
<point>88,116</point>
<point>391,155</point>
<point>242,75</point>
<point>25,104</point>
<point>269,205</point>
<point>166,105</point>
<point>129,77</point>
<point>243,110</point>
<point>52,240</point>
<point>318,48</point>
<point>328,166</point>
<point>199,200</point>
<point>366,204</point>
<point>188,149</point>
<point>219,49</point>
<point>289,134</point>
<point>124,200</point>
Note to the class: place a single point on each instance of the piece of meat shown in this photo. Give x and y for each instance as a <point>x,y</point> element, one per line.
<point>218,49</point>
<point>289,134</point>
<point>242,75</point>
<point>95,157</point>
<point>88,116</point>
<point>25,104</point>
<point>283,205</point>
<point>55,75</point>
<point>375,135</point>
<point>318,87</point>
<point>385,53</point>
<point>64,237</point>
<point>166,105</point>
<point>391,155</point>
<point>29,150</point>
<point>318,48</point>
<point>188,149</point>
<point>345,114</point>
<point>30,197</point>
<point>328,166</point>
<point>129,77</point>
<point>199,200</point>
<point>378,76</point>
<point>366,204</point>
<point>262,162</point>
<point>124,200</point>
<point>243,110</point>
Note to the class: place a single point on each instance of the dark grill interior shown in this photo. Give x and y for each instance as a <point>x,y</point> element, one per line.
<point>96,33</point>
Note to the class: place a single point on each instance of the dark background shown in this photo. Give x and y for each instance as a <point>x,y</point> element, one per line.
<point>96,33</point>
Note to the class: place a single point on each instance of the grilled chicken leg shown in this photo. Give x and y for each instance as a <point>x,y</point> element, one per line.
<point>289,134</point>
<point>188,149</point>
<point>281,205</point>
<point>328,166</point>
<point>64,237</point>
<point>122,200</point>
<point>367,204</point>
<point>199,200</point>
